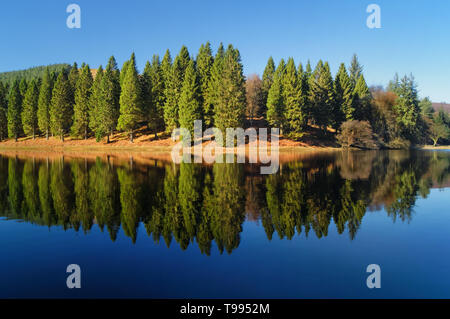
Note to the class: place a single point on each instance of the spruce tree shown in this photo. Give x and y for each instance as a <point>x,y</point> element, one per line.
<point>190,101</point>
<point>230,108</point>
<point>355,70</point>
<point>44,101</point>
<point>344,96</point>
<point>155,94</point>
<point>14,111</point>
<point>211,97</point>
<point>295,117</point>
<point>74,73</point>
<point>131,104</point>
<point>82,102</point>
<point>267,80</point>
<point>204,65</point>
<point>275,110</point>
<point>361,100</point>
<point>123,72</point>
<point>3,110</point>
<point>29,111</point>
<point>23,86</point>
<point>61,109</point>
<point>110,98</point>
<point>173,89</point>
<point>322,95</point>
<point>96,105</point>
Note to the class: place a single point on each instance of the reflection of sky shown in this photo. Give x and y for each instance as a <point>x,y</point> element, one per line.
<point>414,260</point>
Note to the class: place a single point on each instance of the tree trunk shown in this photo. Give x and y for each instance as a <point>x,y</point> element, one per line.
<point>46,135</point>
<point>107,139</point>
<point>434,142</point>
<point>34,134</point>
<point>85,133</point>
<point>15,138</point>
<point>156,134</point>
<point>131,136</point>
<point>62,136</point>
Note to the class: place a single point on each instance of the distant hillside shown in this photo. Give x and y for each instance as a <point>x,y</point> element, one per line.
<point>31,73</point>
<point>439,106</point>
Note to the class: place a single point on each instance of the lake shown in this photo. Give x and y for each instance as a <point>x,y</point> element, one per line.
<point>150,228</point>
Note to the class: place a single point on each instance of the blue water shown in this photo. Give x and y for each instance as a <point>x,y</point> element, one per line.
<point>414,256</point>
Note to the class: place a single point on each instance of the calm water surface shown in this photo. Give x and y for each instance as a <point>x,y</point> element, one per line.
<point>160,230</point>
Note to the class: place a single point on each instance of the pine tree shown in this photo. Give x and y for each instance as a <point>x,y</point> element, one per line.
<point>230,108</point>
<point>96,123</point>
<point>295,117</point>
<point>213,87</point>
<point>3,110</point>
<point>29,112</point>
<point>204,64</point>
<point>14,111</point>
<point>190,101</point>
<point>82,103</point>
<point>23,86</point>
<point>74,73</point>
<point>131,109</point>
<point>173,89</point>
<point>322,95</point>
<point>155,94</point>
<point>355,70</point>
<point>61,110</point>
<point>407,108</point>
<point>123,72</point>
<point>267,80</point>
<point>109,98</point>
<point>44,101</point>
<point>275,110</point>
<point>361,100</point>
<point>344,96</point>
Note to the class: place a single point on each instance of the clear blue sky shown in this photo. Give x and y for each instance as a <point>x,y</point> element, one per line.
<point>414,38</point>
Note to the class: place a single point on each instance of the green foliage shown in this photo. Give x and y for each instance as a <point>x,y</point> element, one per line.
<point>356,134</point>
<point>155,94</point>
<point>294,112</point>
<point>61,108</point>
<point>3,110</point>
<point>31,73</point>
<point>131,104</point>
<point>96,103</point>
<point>322,95</point>
<point>267,80</point>
<point>190,106</point>
<point>212,97</point>
<point>44,102</point>
<point>275,110</point>
<point>426,108</point>
<point>344,96</point>
<point>29,112</point>
<point>204,63</point>
<point>14,111</point>
<point>355,70</point>
<point>82,102</point>
<point>361,100</point>
<point>229,110</point>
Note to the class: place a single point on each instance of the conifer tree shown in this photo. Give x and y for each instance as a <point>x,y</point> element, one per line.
<point>344,96</point>
<point>3,110</point>
<point>190,102</point>
<point>74,73</point>
<point>204,65</point>
<point>61,110</point>
<point>155,94</point>
<point>213,87</point>
<point>82,103</point>
<point>131,109</point>
<point>29,111</point>
<point>173,89</point>
<point>295,118</point>
<point>322,95</point>
<point>123,72</point>
<point>361,100</point>
<point>230,108</point>
<point>355,70</point>
<point>44,101</point>
<point>14,111</point>
<point>96,123</point>
<point>109,98</point>
<point>267,80</point>
<point>23,86</point>
<point>275,110</point>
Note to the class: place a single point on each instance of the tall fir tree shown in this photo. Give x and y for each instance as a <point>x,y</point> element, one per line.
<point>96,103</point>
<point>295,118</point>
<point>275,110</point>
<point>267,80</point>
<point>29,111</point>
<point>230,108</point>
<point>44,102</point>
<point>74,73</point>
<point>190,101</point>
<point>3,110</point>
<point>23,86</point>
<point>204,63</point>
<point>211,98</point>
<point>110,97</point>
<point>344,96</point>
<point>155,94</point>
<point>173,89</point>
<point>131,108</point>
<point>83,88</point>
<point>61,108</point>
<point>322,95</point>
<point>355,70</point>
<point>361,100</point>
<point>14,111</point>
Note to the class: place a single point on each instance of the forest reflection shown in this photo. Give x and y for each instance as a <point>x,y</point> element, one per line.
<point>191,203</point>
